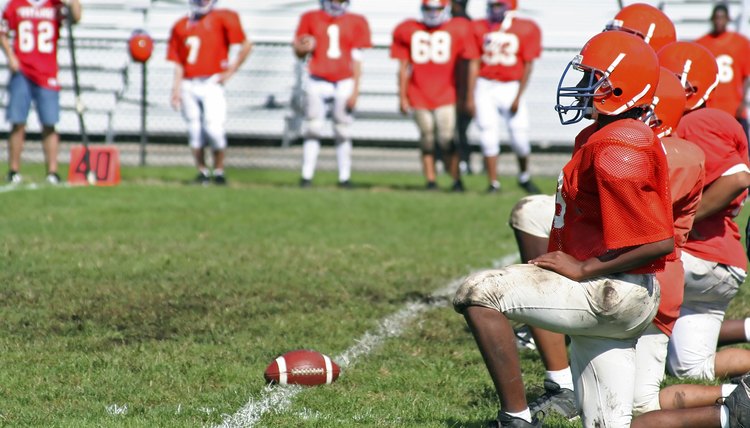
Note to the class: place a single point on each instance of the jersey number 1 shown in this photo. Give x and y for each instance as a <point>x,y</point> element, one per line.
<point>40,38</point>
<point>334,42</point>
<point>194,46</point>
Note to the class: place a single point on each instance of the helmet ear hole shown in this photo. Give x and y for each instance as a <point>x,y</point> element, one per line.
<point>617,92</point>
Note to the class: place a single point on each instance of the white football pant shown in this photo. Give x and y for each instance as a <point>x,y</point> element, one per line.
<point>493,100</point>
<point>204,108</point>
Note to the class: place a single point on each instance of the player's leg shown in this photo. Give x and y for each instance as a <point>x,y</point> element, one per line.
<point>426,123</point>
<point>488,123</point>
<point>47,104</point>
<point>342,121</point>
<point>518,130</point>
<point>445,119</point>
<point>697,417</point>
<point>214,122</point>
<point>651,357</point>
<point>316,92</point>
<point>191,112</point>
<point>19,89</point>
<point>463,120</point>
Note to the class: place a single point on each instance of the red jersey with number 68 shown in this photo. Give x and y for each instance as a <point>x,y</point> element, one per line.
<point>614,194</point>
<point>202,46</point>
<point>335,38</point>
<point>36,25</point>
<point>732,52</point>
<point>507,46</point>
<point>433,54</point>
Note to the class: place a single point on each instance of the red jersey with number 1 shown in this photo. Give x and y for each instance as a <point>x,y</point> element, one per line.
<point>335,38</point>
<point>202,46</point>
<point>614,194</point>
<point>36,25</point>
<point>732,52</point>
<point>507,46</point>
<point>433,53</point>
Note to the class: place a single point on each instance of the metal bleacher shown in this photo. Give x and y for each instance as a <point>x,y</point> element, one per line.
<point>259,95</point>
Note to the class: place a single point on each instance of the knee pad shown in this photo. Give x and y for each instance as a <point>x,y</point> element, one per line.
<point>427,144</point>
<point>216,137</point>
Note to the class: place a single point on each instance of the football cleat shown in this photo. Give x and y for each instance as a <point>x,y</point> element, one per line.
<point>556,400</point>
<point>220,180</point>
<point>202,179</point>
<point>53,178</point>
<point>14,177</point>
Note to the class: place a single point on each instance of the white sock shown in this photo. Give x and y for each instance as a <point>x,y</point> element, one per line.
<point>218,171</point>
<point>724,417</point>
<point>310,151</point>
<point>747,329</point>
<point>563,377</point>
<point>344,158</point>
<point>525,415</point>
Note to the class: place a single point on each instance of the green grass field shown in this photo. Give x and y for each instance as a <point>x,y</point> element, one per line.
<point>159,304</point>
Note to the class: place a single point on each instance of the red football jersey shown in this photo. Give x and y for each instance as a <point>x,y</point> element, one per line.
<point>335,38</point>
<point>202,46</point>
<point>36,25</point>
<point>723,141</point>
<point>507,46</point>
<point>686,174</point>
<point>614,194</point>
<point>433,54</point>
<point>732,52</point>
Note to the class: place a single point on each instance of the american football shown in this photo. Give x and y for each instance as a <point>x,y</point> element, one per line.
<point>302,367</point>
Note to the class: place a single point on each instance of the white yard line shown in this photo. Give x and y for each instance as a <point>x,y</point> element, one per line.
<point>278,399</point>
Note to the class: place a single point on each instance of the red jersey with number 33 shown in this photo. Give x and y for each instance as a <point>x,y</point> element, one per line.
<point>433,54</point>
<point>335,38</point>
<point>614,194</point>
<point>202,46</point>
<point>506,47</point>
<point>36,25</point>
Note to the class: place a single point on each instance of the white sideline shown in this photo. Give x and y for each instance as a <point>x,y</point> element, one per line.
<point>277,399</point>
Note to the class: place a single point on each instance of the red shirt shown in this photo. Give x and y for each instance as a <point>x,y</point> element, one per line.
<point>335,38</point>
<point>614,194</point>
<point>433,54</point>
<point>37,28</point>
<point>732,52</point>
<point>686,174</point>
<point>724,143</point>
<point>507,47</point>
<point>202,46</point>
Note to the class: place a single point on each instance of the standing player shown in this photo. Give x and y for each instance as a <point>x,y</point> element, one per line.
<point>463,116</point>
<point>32,61</point>
<point>732,52</point>
<point>599,246</point>
<point>334,39</point>
<point>199,46</point>
<point>509,47</point>
<point>428,51</point>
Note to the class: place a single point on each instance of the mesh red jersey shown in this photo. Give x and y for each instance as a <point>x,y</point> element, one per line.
<point>732,52</point>
<point>36,26</point>
<point>614,194</point>
<point>202,46</point>
<point>723,141</point>
<point>433,54</point>
<point>335,38</point>
<point>506,47</point>
<point>686,174</point>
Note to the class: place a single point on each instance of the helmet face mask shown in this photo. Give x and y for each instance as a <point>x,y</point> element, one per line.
<point>199,8</point>
<point>334,8</point>
<point>497,9</point>
<point>593,84</point>
<point>435,12</point>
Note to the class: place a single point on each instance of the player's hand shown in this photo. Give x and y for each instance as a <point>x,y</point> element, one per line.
<point>176,99</point>
<point>470,107</point>
<point>13,64</point>
<point>304,45</point>
<point>514,106</point>
<point>741,110</point>
<point>225,76</point>
<point>562,263</point>
<point>404,106</point>
<point>352,102</point>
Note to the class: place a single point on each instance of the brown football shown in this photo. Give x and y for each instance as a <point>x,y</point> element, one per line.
<point>302,367</point>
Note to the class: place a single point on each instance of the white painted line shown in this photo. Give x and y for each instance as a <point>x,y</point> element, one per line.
<point>277,399</point>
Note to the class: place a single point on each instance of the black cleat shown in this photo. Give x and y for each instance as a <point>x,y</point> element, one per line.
<point>458,186</point>
<point>556,400</point>
<point>53,178</point>
<point>14,178</point>
<point>202,179</point>
<point>220,180</point>
<point>530,187</point>
<point>738,403</point>
<point>305,183</point>
<point>431,185</point>
<point>493,188</point>
<point>505,420</point>
<point>346,184</point>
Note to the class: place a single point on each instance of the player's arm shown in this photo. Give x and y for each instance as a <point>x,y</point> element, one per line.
<point>403,83</point>
<point>528,67</point>
<point>471,82</point>
<point>5,44</point>
<point>303,45</point>
<point>621,261</point>
<point>74,6</point>
<point>357,74</point>
<point>720,193</point>
<point>176,97</point>
<point>246,47</point>
<point>743,104</point>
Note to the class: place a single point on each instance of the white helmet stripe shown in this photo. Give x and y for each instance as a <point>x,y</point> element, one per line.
<point>329,369</point>
<point>632,102</point>
<point>650,33</point>
<point>615,63</point>
<point>685,70</point>
<point>281,362</point>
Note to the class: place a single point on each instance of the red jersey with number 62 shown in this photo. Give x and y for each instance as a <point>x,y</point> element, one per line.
<point>614,194</point>
<point>36,25</point>
<point>335,38</point>
<point>506,47</point>
<point>433,53</point>
<point>201,46</point>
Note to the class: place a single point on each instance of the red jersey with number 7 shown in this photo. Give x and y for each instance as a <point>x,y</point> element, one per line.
<point>506,47</point>
<point>335,39</point>
<point>36,27</point>
<point>202,46</point>
<point>433,53</point>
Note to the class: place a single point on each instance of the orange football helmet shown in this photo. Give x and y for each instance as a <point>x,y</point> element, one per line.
<point>696,68</point>
<point>645,21</point>
<point>620,71</point>
<point>141,46</point>
<point>669,104</point>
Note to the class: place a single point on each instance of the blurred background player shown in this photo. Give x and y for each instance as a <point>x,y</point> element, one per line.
<point>732,52</point>
<point>595,244</point>
<point>199,47</point>
<point>463,116</point>
<point>428,51</point>
<point>334,39</point>
<point>509,47</point>
<point>32,61</point>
